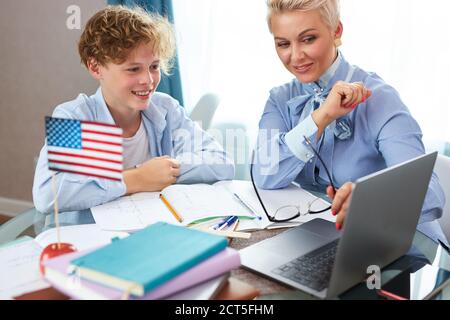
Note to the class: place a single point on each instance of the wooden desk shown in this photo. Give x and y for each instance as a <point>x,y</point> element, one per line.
<point>263,285</point>
<point>424,246</point>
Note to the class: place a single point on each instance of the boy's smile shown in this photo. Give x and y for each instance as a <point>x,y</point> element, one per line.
<point>144,95</point>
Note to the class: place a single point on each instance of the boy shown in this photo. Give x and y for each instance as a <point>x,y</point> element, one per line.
<point>125,49</point>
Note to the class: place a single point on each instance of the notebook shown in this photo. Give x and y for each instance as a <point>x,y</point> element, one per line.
<point>194,203</point>
<point>56,273</point>
<point>148,258</point>
<point>200,202</point>
<point>207,290</point>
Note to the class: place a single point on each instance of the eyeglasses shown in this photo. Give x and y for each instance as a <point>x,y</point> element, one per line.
<point>291,212</point>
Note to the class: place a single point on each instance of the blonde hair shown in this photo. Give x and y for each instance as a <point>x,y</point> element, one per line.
<point>329,9</point>
<point>113,32</point>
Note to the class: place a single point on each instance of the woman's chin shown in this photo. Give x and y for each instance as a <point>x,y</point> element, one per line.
<point>306,78</point>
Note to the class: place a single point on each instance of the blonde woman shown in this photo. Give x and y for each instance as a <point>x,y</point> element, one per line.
<point>356,122</point>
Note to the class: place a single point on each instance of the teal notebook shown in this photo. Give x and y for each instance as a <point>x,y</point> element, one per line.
<point>148,258</point>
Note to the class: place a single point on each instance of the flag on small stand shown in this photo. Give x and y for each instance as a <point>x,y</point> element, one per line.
<point>84,147</point>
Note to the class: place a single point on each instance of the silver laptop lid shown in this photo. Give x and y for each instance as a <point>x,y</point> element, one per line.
<point>381,220</point>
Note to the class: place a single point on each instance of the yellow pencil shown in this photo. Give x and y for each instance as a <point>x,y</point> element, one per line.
<point>171,209</point>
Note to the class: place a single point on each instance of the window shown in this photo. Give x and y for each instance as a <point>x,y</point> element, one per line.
<point>225,47</point>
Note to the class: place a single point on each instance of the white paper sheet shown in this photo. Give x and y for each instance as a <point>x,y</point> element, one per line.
<point>137,211</point>
<point>274,199</point>
<point>192,202</point>
<point>132,213</point>
<point>19,269</point>
<point>83,236</point>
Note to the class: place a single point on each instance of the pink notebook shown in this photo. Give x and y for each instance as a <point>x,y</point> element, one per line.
<point>57,275</point>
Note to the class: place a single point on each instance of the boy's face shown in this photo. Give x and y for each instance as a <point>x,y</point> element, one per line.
<point>127,87</point>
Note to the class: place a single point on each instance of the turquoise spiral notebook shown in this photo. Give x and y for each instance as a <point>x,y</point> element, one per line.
<point>148,258</point>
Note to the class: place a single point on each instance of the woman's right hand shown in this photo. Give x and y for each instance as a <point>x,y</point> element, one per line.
<point>341,202</point>
<point>152,175</point>
<point>342,99</point>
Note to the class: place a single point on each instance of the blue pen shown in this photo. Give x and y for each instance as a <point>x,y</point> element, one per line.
<point>226,223</point>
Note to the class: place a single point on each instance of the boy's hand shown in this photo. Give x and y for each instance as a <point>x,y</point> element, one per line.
<point>153,175</point>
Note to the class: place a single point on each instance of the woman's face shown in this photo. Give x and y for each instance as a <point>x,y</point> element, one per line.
<point>304,43</point>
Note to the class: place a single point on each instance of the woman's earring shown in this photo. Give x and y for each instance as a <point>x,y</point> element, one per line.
<point>337,42</point>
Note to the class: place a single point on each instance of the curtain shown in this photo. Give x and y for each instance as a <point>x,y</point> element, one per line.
<point>169,84</point>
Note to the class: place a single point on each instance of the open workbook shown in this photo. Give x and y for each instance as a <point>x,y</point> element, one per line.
<point>194,204</point>
<point>199,202</point>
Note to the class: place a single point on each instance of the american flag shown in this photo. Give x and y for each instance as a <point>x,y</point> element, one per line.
<point>84,147</point>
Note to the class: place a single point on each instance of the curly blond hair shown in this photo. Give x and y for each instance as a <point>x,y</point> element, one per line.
<point>329,9</point>
<point>113,32</point>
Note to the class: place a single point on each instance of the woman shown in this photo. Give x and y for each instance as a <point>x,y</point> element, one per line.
<point>357,122</point>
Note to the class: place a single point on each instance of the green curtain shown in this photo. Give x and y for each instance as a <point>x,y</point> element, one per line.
<point>169,84</point>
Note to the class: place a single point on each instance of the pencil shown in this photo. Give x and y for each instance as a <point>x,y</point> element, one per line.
<point>171,209</point>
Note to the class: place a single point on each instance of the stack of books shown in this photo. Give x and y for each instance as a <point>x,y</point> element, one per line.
<point>154,263</point>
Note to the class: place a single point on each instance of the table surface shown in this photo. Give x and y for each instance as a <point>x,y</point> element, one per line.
<point>270,289</point>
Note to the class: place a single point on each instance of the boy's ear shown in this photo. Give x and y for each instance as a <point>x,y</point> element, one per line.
<point>94,68</point>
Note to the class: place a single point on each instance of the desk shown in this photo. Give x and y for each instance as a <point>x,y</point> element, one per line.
<point>424,248</point>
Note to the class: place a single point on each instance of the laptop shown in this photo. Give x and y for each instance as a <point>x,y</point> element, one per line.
<point>379,228</point>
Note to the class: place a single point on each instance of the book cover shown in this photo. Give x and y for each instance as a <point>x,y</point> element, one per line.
<point>58,276</point>
<point>148,258</point>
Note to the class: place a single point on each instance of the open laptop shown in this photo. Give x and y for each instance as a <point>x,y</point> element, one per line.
<point>379,228</point>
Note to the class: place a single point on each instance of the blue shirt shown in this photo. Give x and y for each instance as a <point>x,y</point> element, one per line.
<point>377,134</point>
<point>170,132</point>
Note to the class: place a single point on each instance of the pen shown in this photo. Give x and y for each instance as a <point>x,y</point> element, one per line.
<point>171,209</point>
<point>253,212</point>
<point>226,223</point>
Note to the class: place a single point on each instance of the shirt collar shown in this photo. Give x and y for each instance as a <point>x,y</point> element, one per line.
<point>103,113</point>
<point>320,88</point>
<point>329,74</point>
<point>326,80</point>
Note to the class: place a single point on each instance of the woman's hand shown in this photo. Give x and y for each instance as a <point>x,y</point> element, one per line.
<point>152,175</point>
<point>342,99</point>
<point>341,201</point>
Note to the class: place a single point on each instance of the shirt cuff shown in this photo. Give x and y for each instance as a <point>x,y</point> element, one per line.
<point>115,189</point>
<point>296,142</point>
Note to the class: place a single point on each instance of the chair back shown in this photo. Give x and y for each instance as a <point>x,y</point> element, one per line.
<point>442,169</point>
<point>11,229</point>
<point>204,110</point>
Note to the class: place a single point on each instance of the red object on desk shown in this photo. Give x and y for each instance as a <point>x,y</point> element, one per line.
<point>54,250</point>
<point>389,295</point>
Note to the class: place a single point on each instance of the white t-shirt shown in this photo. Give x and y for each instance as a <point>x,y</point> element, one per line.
<point>136,149</point>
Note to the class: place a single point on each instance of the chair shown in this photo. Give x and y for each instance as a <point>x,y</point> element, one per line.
<point>11,229</point>
<point>234,139</point>
<point>442,169</point>
<point>204,110</point>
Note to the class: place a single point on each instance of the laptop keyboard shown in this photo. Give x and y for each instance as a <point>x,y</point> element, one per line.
<point>313,269</point>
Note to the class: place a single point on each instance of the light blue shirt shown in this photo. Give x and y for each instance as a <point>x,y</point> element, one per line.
<point>377,134</point>
<point>170,132</point>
